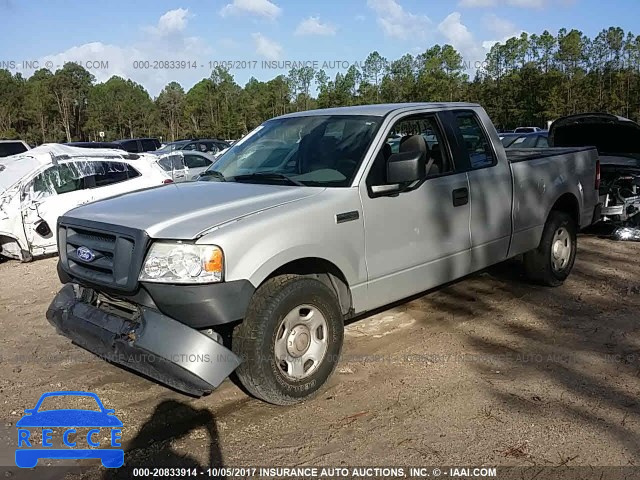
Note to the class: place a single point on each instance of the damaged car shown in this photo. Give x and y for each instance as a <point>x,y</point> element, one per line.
<point>38,186</point>
<point>618,142</point>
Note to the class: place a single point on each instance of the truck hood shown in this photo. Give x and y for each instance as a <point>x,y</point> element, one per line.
<point>608,133</point>
<point>185,210</point>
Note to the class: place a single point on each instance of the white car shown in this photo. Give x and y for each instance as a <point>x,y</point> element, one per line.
<point>38,186</point>
<point>183,165</point>
<point>527,130</point>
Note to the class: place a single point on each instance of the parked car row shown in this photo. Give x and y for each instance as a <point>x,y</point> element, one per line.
<point>537,139</point>
<point>132,145</point>
<point>211,146</point>
<point>38,186</point>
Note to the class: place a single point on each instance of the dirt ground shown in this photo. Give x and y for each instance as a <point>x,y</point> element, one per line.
<point>487,371</point>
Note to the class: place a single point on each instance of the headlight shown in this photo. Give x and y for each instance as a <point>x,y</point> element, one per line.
<point>169,262</point>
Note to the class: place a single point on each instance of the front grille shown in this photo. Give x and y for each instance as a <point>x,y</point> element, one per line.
<point>118,253</point>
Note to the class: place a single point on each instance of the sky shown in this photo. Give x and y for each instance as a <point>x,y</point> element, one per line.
<point>138,39</point>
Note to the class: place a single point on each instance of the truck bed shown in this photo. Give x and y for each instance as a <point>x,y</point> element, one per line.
<point>515,155</point>
<point>536,176</point>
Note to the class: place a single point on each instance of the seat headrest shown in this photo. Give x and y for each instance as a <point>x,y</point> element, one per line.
<point>415,143</point>
<point>386,150</point>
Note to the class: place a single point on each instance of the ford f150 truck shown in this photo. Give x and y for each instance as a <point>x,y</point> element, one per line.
<point>312,218</point>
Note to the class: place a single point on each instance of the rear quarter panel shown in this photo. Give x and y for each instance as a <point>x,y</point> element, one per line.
<point>539,183</point>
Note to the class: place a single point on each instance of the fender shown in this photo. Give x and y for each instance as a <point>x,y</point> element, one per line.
<point>262,272</point>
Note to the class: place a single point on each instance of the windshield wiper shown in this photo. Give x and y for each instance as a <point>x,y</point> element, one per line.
<point>268,176</point>
<point>213,173</point>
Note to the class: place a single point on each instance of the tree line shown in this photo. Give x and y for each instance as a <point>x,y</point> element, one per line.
<point>526,80</point>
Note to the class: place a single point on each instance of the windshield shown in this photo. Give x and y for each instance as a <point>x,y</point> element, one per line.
<point>322,150</point>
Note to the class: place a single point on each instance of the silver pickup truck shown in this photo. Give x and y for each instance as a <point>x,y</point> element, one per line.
<point>312,218</point>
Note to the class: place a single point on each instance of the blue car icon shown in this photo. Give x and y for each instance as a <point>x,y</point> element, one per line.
<point>28,456</point>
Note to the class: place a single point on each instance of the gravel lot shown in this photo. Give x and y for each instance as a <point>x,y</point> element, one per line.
<point>487,371</point>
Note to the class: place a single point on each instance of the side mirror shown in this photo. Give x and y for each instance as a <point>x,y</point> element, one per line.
<point>406,167</point>
<point>402,168</point>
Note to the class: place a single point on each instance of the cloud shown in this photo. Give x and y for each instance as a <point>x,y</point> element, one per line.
<point>139,61</point>
<point>459,36</point>
<point>170,23</point>
<point>502,28</point>
<point>262,8</point>
<point>267,48</point>
<point>313,26</point>
<point>511,3</point>
<point>499,26</point>
<point>396,22</point>
<point>173,21</point>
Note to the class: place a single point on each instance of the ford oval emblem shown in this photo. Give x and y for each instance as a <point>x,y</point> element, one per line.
<point>85,254</point>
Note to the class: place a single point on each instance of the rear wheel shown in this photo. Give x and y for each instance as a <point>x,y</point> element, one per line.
<point>551,263</point>
<point>290,339</point>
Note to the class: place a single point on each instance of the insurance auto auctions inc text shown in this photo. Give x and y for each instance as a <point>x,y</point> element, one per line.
<point>354,472</point>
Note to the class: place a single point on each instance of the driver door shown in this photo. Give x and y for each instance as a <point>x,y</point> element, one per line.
<point>417,239</point>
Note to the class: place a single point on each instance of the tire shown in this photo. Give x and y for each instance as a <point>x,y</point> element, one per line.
<point>551,263</point>
<point>270,328</point>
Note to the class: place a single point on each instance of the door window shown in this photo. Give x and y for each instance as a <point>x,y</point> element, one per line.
<point>148,145</point>
<point>58,179</point>
<point>425,126</point>
<point>172,162</point>
<point>196,161</point>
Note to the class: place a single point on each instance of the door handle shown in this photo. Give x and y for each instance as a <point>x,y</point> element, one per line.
<point>460,196</point>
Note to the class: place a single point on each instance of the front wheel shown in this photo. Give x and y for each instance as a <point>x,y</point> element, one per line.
<point>290,340</point>
<point>551,263</point>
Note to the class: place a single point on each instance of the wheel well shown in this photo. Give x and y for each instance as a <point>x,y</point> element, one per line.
<point>10,247</point>
<point>325,271</point>
<point>568,203</point>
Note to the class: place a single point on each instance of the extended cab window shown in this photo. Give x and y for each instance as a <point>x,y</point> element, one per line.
<point>475,141</point>
<point>425,126</point>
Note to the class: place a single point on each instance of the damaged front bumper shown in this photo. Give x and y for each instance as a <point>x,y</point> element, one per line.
<point>152,344</point>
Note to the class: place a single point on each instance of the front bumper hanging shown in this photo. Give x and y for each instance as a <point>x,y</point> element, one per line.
<point>152,344</point>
